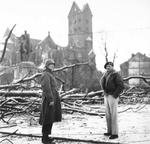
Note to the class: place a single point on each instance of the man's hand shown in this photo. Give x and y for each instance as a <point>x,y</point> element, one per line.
<point>51,104</point>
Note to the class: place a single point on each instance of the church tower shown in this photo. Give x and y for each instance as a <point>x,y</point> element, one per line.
<point>80,48</point>
<point>80,28</point>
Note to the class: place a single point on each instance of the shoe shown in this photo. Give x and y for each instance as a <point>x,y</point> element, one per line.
<point>113,137</point>
<point>50,139</point>
<point>107,134</point>
<point>47,140</point>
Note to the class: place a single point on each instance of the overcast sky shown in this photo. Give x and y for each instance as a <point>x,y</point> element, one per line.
<point>124,24</point>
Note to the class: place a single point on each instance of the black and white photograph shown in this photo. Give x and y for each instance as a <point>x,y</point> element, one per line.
<point>75,72</point>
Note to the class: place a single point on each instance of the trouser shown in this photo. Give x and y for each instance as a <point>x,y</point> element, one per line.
<point>111,105</point>
<point>46,129</point>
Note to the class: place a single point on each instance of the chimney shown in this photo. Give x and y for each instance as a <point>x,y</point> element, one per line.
<point>133,55</point>
<point>48,33</point>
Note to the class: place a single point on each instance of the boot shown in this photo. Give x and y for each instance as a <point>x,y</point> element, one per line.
<point>46,139</point>
<point>50,139</point>
<point>113,137</point>
<point>107,134</point>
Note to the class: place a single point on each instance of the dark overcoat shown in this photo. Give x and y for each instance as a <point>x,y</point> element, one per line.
<point>49,114</point>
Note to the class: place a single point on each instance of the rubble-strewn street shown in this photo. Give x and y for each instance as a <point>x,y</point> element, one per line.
<point>134,127</point>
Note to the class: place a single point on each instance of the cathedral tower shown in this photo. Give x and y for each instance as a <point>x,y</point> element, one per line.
<point>80,27</point>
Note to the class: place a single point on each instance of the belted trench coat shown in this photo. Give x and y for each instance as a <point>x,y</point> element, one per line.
<point>49,114</point>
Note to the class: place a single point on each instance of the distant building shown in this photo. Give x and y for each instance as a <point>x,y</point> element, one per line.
<point>137,65</point>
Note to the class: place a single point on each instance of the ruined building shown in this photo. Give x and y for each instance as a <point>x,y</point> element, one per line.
<point>78,50</point>
<point>80,31</point>
<point>137,65</point>
<point>80,47</point>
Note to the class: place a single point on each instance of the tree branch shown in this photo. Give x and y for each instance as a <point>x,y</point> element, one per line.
<point>6,41</point>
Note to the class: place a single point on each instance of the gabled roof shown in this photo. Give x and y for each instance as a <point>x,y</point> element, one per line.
<point>74,9</point>
<point>136,58</point>
<point>139,57</point>
<point>87,9</point>
<point>48,41</point>
<point>12,38</point>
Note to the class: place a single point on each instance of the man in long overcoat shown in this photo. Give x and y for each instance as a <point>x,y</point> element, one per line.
<point>51,106</point>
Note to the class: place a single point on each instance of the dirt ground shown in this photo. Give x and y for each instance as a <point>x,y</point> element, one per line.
<point>134,127</point>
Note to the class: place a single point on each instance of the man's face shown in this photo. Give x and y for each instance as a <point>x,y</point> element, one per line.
<point>109,67</point>
<point>51,66</point>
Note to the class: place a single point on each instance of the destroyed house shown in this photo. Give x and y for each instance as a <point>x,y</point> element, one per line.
<point>137,65</point>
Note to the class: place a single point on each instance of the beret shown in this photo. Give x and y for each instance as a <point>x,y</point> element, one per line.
<point>108,63</point>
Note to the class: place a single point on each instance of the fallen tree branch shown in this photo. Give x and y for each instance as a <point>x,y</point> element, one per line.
<point>61,138</point>
<point>137,77</point>
<point>20,93</point>
<point>8,126</point>
<point>10,86</point>
<point>70,66</point>
<point>82,95</point>
<point>83,112</point>
<point>69,92</point>
<point>6,140</point>
<point>138,108</point>
<point>55,70</point>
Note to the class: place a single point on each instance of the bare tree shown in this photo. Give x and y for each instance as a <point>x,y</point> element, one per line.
<point>106,56</point>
